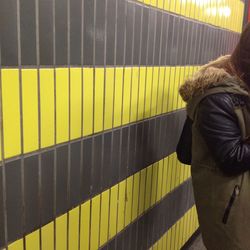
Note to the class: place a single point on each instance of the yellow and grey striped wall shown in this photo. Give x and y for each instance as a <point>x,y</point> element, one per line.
<point>90,117</point>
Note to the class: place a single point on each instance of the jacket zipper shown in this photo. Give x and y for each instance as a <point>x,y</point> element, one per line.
<point>235,193</point>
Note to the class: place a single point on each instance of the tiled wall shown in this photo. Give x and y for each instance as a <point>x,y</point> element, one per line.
<point>91,117</point>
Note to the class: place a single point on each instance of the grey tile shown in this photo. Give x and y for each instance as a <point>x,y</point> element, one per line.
<point>100,32</point>
<point>137,35</point>
<point>144,40</point>
<point>115,157</point>
<point>133,234</point>
<point>88,42</point>
<point>146,143</point>
<point>107,164</point>
<point>170,35</point>
<point>14,200</point>
<point>61,29</point>
<point>110,49</point>
<point>158,38</point>
<point>129,32</point>
<point>8,30</point>
<point>164,45</point>
<point>120,34</point>
<point>46,32</point>
<point>75,177</point>
<point>2,223</point>
<point>75,31</point>
<point>31,193</point>
<point>28,32</point>
<point>193,45</point>
<point>119,241</point>
<point>132,144</point>
<point>139,147</point>
<point>151,31</point>
<point>61,180</point>
<point>87,166</point>
<point>174,46</point>
<point>123,171</point>
<point>157,144</point>
<point>47,186</point>
<point>97,164</point>
<point>150,143</point>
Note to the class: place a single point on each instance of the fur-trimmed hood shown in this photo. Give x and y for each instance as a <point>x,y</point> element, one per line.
<point>210,75</point>
<point>212,78</point>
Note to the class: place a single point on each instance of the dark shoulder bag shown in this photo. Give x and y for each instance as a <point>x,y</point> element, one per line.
<point>184,146</point>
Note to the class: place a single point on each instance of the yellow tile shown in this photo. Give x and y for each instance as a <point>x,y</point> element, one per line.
<point>159,181</point>
<point>164,242</point>
<point>74,228</point>
<point>62,105</point>
<point>113,211</point>
<point>121,205</point>
<point>128,200</point>
<point>160,4</point>
<point>142,190</point>
<point>11,112</point>
<point>160,91</point>
<point>61,232</point>
<point>109,98</point>
<point>48,236</point>
<point>104,217</point>
<point>148,187</point>
<point>167,5</point>
<point>169,173</point>
<point>85,224</point>
<point>118,97</point>
<point>149,78</point>
<point>171,89</point>
<point>30,109</point>
<point>134,96</point>
<point>88,99</point>
<point>166,89</point>
<point>176,88</point>
<point>141,101</point>
<point>136,193</point>
<point>17,245</point>
<point>178,6</point>
<point>169,236</point>
<point>32,241</point>
<point>172,5</point>
<point>99,99</point>
<point>154,90</point>
<point>75,103</point>
<point>126,95</point>
<point>154,184</point>
<point>47,107</point>
<point>164,177</point>
<point>153,3</point>
<point>95,215</point>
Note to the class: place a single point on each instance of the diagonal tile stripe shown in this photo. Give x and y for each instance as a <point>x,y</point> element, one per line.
<point>156,221</point>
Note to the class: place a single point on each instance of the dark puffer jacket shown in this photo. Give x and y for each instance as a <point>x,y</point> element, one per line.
<point>219,107</point>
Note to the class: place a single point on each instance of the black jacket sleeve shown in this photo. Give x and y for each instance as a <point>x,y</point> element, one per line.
<point>218,124</point>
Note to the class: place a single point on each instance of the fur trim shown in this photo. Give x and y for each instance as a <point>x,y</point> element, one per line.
<point>210,75</point>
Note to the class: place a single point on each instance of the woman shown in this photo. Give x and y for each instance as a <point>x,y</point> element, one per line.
<point>218,109</point>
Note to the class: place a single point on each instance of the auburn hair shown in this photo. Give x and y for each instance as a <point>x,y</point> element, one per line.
<point>240,58</point>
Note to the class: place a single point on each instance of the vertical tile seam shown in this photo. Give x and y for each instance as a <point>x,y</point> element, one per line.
<point>39,119</point>
<point>21,123</point>
<point>82,124</point>
<point>93,126</point>
<point>4,187</point>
